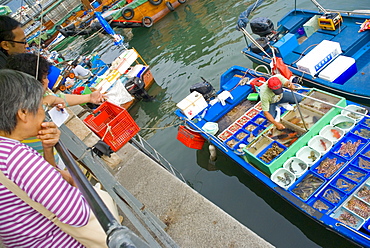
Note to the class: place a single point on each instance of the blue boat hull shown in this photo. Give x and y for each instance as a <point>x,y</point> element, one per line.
<point>230,81</point>
<point>354,44</point>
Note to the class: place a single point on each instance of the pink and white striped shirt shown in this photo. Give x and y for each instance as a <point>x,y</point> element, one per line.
<point>20,224</point>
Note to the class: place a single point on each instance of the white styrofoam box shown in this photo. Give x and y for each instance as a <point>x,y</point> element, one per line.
<point>125,60</point>
<point>296,166</point>
<point>352,111</point>
<point>308,155</point>
<point>338,68</point>
<point>319,57</point>
<point>320,144</point>
<point>283,177</point>
<point>193,104</point>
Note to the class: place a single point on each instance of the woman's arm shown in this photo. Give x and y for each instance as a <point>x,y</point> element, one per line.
<point>95,97</point>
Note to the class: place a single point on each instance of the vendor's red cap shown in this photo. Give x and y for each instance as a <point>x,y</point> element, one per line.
<point>275,85</point>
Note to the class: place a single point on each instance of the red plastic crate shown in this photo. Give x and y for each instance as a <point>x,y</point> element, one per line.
<point>122,126</point>
<point>190,138</point>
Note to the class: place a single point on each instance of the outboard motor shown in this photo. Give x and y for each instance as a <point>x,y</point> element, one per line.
<point>204,88</point>
<point>264,27</point>
<point>135,86</point>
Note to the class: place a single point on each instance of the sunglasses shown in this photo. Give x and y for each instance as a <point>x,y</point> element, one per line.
<point>19,42</point>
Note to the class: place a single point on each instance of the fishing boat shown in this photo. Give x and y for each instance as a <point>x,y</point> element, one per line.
<point>124,82</point>
<point>326,49</point>
<point>133,14</point>
<point>320,162</point>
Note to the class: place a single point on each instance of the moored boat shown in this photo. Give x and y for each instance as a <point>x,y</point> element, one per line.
<point>326,49</point>
<point>319,163</point>
<point>125,81</point>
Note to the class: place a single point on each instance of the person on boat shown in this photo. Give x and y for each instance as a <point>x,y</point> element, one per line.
<point>12,39</point>
<point>80,72</point>
<point>21,102</point>
<point>32,64</point>
<point>272,95</point>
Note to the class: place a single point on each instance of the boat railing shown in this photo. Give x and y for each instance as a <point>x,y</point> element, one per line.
<point>354,12</point>
<point>146,148</point>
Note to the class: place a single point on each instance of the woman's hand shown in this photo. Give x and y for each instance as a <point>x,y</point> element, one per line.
<point>97,97</point>
<point>54,101</point>
<point>49,134</point>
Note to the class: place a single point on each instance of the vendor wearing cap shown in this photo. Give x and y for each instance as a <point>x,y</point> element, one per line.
<point>272,94</point>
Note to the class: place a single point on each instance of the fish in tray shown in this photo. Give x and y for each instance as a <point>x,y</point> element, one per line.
<point>286,136</point>
<point>307,186</point>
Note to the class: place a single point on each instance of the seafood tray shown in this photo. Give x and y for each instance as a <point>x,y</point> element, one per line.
<point>296,166</point>
<point>259,144</point>
<point>310,117</point>
<point>364,193</point>
<point>308,155</point>
<point>321,204</point>
<point>287,136</point>
<point>322,107</point>
<point>283,177</point>
<point>362,131</point>
<point>307,185</point>
<point>242,120</point>
<point>331,133</point>
<point>348,218</point>
<point>271,152</point>
<point>234,127</point>
<point>252,112</point>
<point>224,135</point>
<point>343,184</point>
<point>232,142</point>
<point>259,119</point>
<point>366,122</point>
<point>354,108</point>
<point>258,106</point>
<point>328,165</point>
<point>362,162</point>
<point>366,151</point>
<point>343,122</point>
<point>320,144</point>
<point>349,146</point>
<point>332,195</point>
<point>358,206</point>
<point>250,126</point>
<point>354,173</point>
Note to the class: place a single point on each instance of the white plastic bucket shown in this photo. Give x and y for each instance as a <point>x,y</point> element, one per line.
<point>211,127</point>
<point>332,133</point>
<point>354,108</point>
<point>283,178</point>
<point>340,120</point>
<point>296,165</point>
<point>308,155</point>
<point>320,144</point>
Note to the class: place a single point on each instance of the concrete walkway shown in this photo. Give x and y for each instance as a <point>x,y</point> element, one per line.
<point>192,220</point>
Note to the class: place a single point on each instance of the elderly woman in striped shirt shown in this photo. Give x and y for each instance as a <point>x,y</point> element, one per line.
<point>20,225</point>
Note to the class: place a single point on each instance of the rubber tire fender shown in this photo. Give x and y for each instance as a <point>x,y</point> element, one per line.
<point>126,10</point>
<point>181,1</point>
<point>155,2</point>
<point>170,6</point>
<point>150,21</point>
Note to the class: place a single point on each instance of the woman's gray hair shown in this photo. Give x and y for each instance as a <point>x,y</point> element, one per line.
<point>18,91</point>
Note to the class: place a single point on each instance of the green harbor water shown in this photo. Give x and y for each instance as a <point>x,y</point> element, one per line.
<point>197,40</point>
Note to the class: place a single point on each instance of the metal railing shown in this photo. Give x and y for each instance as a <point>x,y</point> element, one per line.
<point>146,148</point>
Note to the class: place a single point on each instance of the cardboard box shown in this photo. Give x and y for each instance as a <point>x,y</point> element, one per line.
<point>193,104</point>
<point>319,57</point>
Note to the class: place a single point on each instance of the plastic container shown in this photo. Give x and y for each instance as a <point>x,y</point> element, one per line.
<point>344,212</point>
<point>211,127</point>
<point>225,135</point>
<point>333,195</point>
<point>354,173</point>
<point>361,130</point>
<point>296,166</point>
<point>252,112</point>
<point>362,162</point>
<point>283,178</point>
<point>354,108</point>
<point>190,138</point>
<point>269,159</point>
<point>113,124</point>
<point>340,70</point>
<point>308,155</point>
<point>320,144</point>
<point>329,165</point>
<point>349,146</point>
<point>304,188</point>
<point>242,120</point>
<point>321,205</point>
<point>343,122</point>
<point>332,133</point>
<point>343,184</point>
